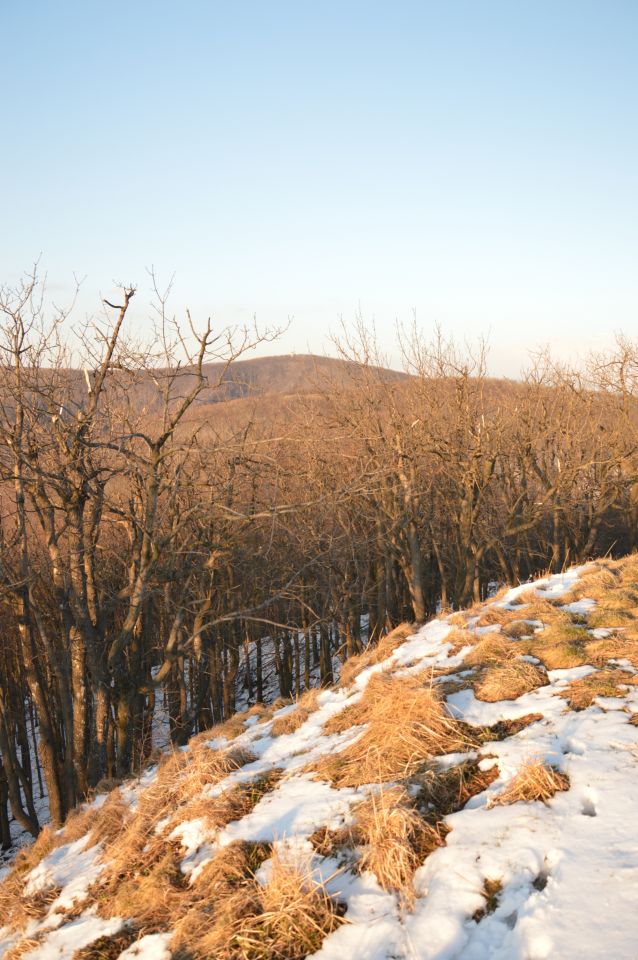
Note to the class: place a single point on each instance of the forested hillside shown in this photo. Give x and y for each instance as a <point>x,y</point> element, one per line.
<point>185,532</point>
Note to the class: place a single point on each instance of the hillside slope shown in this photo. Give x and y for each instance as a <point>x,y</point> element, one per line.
<point>467,792</point>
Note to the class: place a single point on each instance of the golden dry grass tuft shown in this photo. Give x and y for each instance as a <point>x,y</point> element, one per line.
<point>580,694</point>
<point>376,653</point>
<point>613,584</point>
<point>149,892</point>
<point>534,606</point>
<point>509,681</point>
<point>16,906</point>
<point>617,609</point>
<point>231,804</point>
<point>559,646</point>
<point>287,918</point>
<point>622,645</point>
<point>535,780</point>
<point>395,838</point>
<point>459,639</point>
<point>406,724</point>
<point>491,614</point>
<point>143,879</point>
<point>458,618</point>
<point>231,866</point>
<point>492,648</point>
<point>185,774</point>
<point>225,883</point>
<point>25,946</point>
<point>103,824</point>
<point>596,582</point>
<point>291,721</point>
<point>236,725</point>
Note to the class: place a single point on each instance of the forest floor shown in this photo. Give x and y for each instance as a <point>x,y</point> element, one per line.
<point>467,791</point>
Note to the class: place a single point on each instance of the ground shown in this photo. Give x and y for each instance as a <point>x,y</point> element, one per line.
<point>469,792</point>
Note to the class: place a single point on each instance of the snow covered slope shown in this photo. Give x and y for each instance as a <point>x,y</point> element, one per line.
<point>392,818</point>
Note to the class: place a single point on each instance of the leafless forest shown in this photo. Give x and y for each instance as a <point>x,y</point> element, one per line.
<point>170,533</point>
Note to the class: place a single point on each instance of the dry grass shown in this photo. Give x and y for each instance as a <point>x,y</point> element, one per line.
<point>225,913</point>
<point>285,919</point>
<point>236,725</point>
<point>534,781</point>
<point>109,948</point>
<point>491,894</point>
<point>145,882</point>
<point>376,653</point>
<point>597,583</point>
<point>23,947</point>
<point>559,646</point>
<point>16,907</point>
<point>507,728</point>
<point>491,614</point>
<point>533,606</point>
<point>509,681</point>
<point>459,639</point>
<point>613,584</point>
<point>580,694</point>
<point>290,722</point>
<point>334,842</point>
<point>615,609</point>
<point>149,892</point>
<point>619,646</point>
<point>406,724</point>
<point>230,867</point>
<point>231,804</point>
<point>519,628</point>
<point>398,831</point>
<point>142,879</point>
<point>458,618</point>
<point>183,775</point>
<point>396,840</point>
<point>444,791</point>
<point>228,729</point>
<point>102,825</point>
<point>159,897</point>
<point>493,648</point>
<point>225,884</point>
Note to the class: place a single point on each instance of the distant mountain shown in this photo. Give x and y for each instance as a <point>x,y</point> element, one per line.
<point>286,375</point>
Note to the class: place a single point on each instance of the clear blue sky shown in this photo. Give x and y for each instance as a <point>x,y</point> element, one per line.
<point>472,160</point>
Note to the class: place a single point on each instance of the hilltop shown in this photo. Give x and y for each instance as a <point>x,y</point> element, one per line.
<point>285,374</point>
<point>467,790</point>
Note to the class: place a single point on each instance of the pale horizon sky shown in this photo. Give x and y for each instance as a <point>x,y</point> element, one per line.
<point>472,163</point>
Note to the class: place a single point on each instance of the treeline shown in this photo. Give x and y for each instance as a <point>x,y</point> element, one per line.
<point>155,561</point>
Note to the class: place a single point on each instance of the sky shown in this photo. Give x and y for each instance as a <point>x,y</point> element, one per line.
<point>471,163</point>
